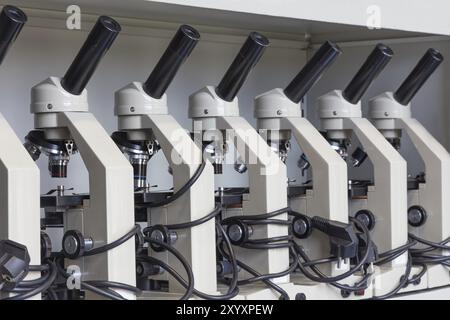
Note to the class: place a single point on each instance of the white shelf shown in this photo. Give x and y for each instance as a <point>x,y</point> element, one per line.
<point>283,19</point>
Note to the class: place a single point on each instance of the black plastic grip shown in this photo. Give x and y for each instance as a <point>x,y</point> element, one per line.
<point>12,20</point>
<point>371,68</point>
<point>420,74</point>
<point>248,56</point>
<point>94,48</point>
<point>312,71</point>
<point>167,67</point>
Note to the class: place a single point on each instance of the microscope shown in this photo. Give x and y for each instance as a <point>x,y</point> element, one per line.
<point>279,115</point>
<point>99,227</point>
<point>145,127</point>
<point>381,204</point>
<point>19,175</point>
<point>428,200</point>
<point>216,124</point>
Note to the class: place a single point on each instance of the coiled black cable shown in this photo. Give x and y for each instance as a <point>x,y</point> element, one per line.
<point>39,289</point>
<point>232,291</point>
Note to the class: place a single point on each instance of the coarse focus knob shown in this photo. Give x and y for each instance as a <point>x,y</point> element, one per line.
<point>74,244</point>
<point>417,216</point>
<point>238,232</point>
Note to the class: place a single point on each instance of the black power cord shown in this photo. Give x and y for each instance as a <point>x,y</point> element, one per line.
<point>183,189</point>
<point>29,292</point>
<point>185,225</point>
<point>183,261</point>
<point>253,272</point>
<point>136,229</point>
<point>233,290</point>
<point>344,275</point>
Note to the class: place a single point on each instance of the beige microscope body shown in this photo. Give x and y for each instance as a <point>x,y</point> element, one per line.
<point>144,116</point>
<point>386,199</point>
<point>109,212</point>
<point>214,115</point>
<point>429,205</point>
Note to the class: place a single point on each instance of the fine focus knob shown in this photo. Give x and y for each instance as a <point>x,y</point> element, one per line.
<point>74,244</point>
<point>238,232</point>
<point>301,227</point>
<point>366,217</point>
<point>417,216</point>
<point>46,246</point>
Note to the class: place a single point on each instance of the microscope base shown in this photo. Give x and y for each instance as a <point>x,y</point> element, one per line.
<point>386,279</point>
<point>437,276</point>
<point>323,291</point>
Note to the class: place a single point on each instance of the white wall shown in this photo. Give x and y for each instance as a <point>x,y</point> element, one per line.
<point>39,53</point>
<point>431,106</point>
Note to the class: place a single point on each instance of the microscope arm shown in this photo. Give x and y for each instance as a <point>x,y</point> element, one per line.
<point>267,171</point>
<point>437,168</point>
<point>268,188</point>
<point>329,170</point>
<point>184,157</point>
<point>19,202</point>
<point>110,213</point>
<point>388,195</point>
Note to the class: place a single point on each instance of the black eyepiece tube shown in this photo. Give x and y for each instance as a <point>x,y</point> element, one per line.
<point>176,53</point>
<point>12,20</point>
<point>420,74</point>
<point>375,62</point>
<point>312,71</point>
<point>94,48</point>
<point>249,55</point>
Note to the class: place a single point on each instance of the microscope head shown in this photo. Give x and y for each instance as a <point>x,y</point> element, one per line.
<point>336,105</point>
<point>210,103</point>
<point>149,98</point>
<point>272,106</point>
<point>67,94</point>
<point>388,106</point>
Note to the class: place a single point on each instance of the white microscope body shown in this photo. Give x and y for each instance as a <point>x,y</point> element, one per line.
<point>61,112</point>
<point>215,113</point>
<point>279,114</point>
<point>386,201</point>
<point>143,115</point>
<point>19,175</point>
<point>429,204</point>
